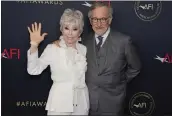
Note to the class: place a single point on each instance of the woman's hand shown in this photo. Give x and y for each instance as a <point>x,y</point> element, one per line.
<point>35,34</point>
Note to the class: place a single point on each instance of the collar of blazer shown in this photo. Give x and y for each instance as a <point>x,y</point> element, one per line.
<point>63,44</point>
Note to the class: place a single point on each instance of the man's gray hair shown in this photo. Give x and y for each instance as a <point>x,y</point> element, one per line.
<point>100,4</point>
<point>71,16</point>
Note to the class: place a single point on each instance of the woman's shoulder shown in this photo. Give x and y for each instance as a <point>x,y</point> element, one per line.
<point>52,46</point>
<point>83,48</point>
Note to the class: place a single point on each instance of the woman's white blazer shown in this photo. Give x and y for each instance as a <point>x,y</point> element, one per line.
<point>67,67</point>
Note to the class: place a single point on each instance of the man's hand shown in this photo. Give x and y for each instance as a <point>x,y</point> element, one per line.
<point>57,43</point>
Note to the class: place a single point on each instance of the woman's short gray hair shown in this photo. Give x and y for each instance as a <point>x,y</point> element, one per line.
<point>71,16</point>
<point>101,4</point>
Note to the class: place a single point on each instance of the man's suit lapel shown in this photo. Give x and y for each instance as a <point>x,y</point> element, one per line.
<point>91,46</point>
<point>92,52</point>
<point>105,52</point>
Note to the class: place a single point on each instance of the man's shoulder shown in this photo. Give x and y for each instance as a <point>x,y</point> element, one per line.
<point>119,34</point>
<point>119,38</point>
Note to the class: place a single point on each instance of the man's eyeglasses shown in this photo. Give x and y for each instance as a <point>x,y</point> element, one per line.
<point>102,20</point>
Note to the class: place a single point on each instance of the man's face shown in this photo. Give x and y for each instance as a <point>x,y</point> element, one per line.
<point>100,20</point>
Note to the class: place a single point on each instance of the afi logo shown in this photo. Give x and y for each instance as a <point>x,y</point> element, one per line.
<point>147,6</point>
<point>140,105</point>
<point>167,58</point>
<point>11,53</point>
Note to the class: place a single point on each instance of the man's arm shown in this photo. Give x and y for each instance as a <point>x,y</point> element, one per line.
<point>133,60</point>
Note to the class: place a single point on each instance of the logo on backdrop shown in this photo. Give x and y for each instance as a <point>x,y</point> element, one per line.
<point>89,5</point>
<point>55,2</point>
<point>11,53</point>
<point>30,103</point>
<point>141,104</point>
<point>148,10</point>
<point>165,59</point>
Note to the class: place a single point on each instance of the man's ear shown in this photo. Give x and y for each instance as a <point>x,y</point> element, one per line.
<point>90,21</point>
<point>110,20</point>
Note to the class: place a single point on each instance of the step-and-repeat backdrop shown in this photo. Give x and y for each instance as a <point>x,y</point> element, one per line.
<point>148,23</point>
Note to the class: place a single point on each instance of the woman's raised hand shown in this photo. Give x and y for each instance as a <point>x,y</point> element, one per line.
<point>35,33</point>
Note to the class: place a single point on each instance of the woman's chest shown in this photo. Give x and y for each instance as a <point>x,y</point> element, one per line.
<point>65,60</point>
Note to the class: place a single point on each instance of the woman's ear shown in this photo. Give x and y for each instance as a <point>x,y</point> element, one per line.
<point>79,39</point>
<point>61,28</point>
<point>80,35</point>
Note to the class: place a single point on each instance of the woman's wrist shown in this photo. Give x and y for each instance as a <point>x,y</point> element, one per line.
<point>32,43</point>
<point>33,48</point>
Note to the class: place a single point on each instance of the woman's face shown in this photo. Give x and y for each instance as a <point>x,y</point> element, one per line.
<point>71,33</point>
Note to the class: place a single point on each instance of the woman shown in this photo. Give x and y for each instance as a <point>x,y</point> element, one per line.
<point>67,59</point>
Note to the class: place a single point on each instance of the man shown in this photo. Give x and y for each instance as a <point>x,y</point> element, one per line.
<point>112,62</point>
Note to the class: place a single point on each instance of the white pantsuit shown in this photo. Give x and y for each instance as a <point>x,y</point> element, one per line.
<point>69,93</point>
